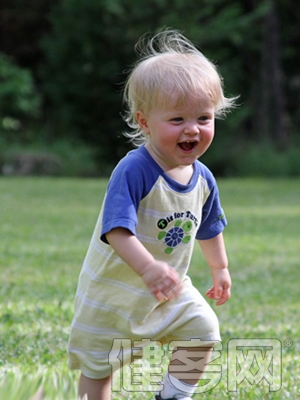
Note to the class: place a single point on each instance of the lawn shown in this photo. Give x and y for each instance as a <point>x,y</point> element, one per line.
<point>46,225</point>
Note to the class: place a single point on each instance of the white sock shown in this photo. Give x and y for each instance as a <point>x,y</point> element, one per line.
<point>174,387</point>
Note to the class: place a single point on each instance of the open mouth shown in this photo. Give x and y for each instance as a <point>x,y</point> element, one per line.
<point>187,146</point>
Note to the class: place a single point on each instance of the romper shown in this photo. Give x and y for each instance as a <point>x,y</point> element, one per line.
<point>112,301</point>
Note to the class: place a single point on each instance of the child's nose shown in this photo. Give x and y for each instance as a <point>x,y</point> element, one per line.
<point>191,128</point>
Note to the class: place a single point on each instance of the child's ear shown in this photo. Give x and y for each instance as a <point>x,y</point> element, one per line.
<point>142,121</point>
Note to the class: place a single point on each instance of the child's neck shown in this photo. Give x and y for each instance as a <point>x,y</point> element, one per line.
<point>182,174</point>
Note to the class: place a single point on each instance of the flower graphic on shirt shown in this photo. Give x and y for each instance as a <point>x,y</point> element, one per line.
<point>175,235</point>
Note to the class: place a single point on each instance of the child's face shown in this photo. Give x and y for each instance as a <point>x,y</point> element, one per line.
<point>179,134</point>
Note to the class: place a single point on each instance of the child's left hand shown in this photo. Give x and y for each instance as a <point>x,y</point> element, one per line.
<point>221,286</point>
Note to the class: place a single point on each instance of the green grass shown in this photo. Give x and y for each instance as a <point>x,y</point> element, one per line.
<point>46,225</point>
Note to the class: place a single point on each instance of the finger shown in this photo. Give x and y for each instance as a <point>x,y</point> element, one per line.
<point>218,293</point>
<point>159,295</point>
<point>225,296</point>
<point>174,292</point>
<point>211,293</point>
<point>169,295</point>
<point>170,286</point>
<point>163,295</point>
<point>215,293</point>
<point>221,301</point>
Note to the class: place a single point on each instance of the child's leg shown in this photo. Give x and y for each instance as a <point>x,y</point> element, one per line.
<point>95,389</point>
<point>200,357</point>
<point>183,381</point>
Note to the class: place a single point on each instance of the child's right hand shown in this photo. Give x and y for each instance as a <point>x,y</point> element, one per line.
<point>162,280</point>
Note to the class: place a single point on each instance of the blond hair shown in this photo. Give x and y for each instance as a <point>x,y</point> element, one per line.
<point>169,63</point>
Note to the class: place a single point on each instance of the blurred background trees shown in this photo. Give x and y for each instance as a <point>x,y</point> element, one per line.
<point>63,64</point>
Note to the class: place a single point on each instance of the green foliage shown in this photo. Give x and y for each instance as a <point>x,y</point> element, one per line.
<point>83,74</point>
<point>229,156</point>
<point>87,46</point>
<point>18,95</point>
<point>92,43</point>
<point>61,158</point>
<point>46,225</point>
<point>264,160</point>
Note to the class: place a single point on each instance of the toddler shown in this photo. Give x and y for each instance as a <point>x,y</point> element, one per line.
<point>159,200</point>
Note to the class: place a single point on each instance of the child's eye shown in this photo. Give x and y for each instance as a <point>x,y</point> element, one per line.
<point>177,119</point>
<point>203,118</point>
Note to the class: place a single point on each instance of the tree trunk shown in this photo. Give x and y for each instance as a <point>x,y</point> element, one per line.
<point>272,93</point>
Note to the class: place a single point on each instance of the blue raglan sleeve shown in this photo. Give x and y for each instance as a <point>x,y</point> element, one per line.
<point>125,190</point>
<point>213,218</point>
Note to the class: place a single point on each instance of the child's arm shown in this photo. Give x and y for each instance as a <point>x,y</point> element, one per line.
<point>215,255</point>
<point>161,279</point>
